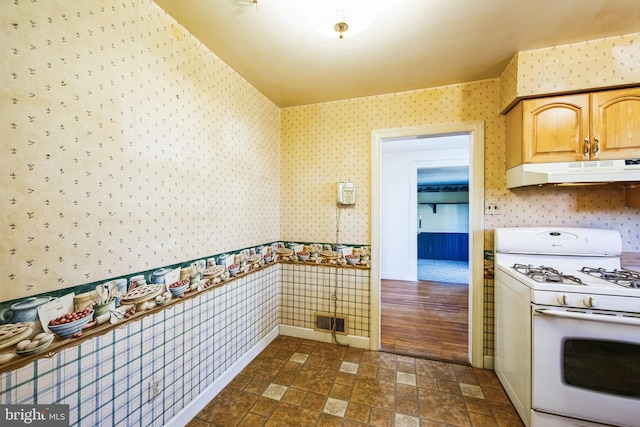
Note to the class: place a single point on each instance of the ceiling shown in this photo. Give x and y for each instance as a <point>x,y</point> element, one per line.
<point>412,44</point>
<point>447,146</point>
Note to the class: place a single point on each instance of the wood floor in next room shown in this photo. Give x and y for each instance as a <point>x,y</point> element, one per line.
<point>425,319</point>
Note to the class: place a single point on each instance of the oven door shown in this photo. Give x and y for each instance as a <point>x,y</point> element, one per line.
<point>586,366</point>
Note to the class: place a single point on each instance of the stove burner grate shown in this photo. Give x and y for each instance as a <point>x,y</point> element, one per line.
<point>544,274</point>
<point>622,277</point>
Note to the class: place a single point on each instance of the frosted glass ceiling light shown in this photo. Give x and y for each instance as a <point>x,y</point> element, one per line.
<point>341,18</point>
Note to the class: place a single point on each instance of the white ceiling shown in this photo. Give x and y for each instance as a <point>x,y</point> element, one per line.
<point>412,44</point>
<point>440,175</point>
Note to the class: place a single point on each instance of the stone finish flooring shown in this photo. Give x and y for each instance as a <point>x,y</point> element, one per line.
<point>296,383</point>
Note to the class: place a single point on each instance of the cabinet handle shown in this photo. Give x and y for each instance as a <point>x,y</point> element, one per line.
<point>596,147</point>
<point>586,148</point>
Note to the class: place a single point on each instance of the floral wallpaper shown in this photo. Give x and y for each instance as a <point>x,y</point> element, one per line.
<point>574,67</point>
<point>509,80</point>
<point>330,142</point>
<point>324,143</point>
<point>127,145</point>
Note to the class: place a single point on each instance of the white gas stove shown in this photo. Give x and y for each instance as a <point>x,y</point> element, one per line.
<point>572,263</point>
<point>566,313</point>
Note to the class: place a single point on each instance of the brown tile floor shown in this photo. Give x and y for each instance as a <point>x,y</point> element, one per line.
<point>296,383</point>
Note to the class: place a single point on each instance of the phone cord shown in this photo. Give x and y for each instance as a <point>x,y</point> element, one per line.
<point>334,297</point>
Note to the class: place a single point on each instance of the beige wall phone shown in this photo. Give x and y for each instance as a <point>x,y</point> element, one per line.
<point>346,193</point>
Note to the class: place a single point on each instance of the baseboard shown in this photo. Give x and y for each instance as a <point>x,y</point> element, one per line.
<point>194,407</point>
<point>397,276</point>
<point>310,334</point>
<point>487,362</point>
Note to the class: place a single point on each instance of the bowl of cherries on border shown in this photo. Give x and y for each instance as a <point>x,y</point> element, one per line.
<point>70,324</point>
<point>178,288</point>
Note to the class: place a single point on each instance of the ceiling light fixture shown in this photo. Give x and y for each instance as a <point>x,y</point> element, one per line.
<point>340,18</point>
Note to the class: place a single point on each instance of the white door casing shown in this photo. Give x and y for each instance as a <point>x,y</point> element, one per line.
<point>476,225</point>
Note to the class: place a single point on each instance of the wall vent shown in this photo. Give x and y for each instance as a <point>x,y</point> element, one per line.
<point>324,322</point>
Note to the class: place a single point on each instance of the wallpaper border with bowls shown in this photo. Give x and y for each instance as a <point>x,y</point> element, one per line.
<point>188,346</point>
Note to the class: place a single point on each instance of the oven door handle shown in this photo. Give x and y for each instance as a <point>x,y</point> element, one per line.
<point>620,320</point>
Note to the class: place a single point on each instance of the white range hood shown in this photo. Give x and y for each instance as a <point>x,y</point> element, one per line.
<point>575,173</point>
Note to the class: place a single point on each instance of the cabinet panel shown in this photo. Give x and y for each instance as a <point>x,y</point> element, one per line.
<point>588,126</point>
<point>555,128</point>
<point>616,123</point>
<point>445,246</point>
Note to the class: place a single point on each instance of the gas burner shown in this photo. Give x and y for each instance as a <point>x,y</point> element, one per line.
<point>622,277</point>
<point>544,274</point>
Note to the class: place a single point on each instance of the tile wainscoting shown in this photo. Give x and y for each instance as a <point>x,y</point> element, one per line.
<point>306,290</point>
<point>488,331</point>
<point>188,347</point>
<point>193,349</point>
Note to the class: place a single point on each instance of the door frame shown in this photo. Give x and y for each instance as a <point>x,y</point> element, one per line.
<point>476,225</point>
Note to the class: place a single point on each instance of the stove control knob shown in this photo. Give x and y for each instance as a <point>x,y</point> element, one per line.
<point>563,299</point>
<point>590,302</point>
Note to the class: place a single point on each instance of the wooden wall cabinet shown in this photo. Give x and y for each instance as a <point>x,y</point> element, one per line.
<point>590,126</point>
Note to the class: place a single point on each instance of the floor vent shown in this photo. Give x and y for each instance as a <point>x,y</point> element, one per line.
<point>325,322</point>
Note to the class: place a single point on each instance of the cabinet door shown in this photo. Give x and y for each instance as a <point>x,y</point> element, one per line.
<point>555,129</point>
<point>616,124</point>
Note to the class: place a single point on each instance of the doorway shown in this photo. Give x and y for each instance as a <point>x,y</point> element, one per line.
<point>426,316</point>
<point>443,214</point>
<point>382,246</point>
